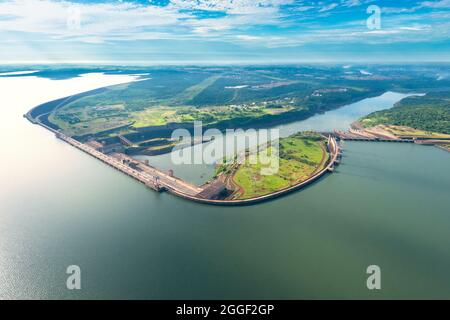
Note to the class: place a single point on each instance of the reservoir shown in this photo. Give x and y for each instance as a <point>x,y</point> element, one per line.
<point>387,204</point>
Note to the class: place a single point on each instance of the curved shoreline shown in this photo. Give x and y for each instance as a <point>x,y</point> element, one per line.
<point>151,182</point>
<point>335,153</point>
<point>43,110</point>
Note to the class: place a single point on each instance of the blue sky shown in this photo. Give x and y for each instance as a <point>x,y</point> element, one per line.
<point>222,31</point>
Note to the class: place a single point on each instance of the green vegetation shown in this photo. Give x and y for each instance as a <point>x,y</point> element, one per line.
<point>229,97</point>
<point>154,117</point>
<point>82,121</point>
<point>426,114</point>
<point>208,115</point>
<point>300,156</point>
<point>191,92</point>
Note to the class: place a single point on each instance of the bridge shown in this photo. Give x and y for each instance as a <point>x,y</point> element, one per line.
<point>125,141</point>
<point>356,136</point>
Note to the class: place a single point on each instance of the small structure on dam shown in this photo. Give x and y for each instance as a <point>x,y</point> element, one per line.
<point>216,190</point>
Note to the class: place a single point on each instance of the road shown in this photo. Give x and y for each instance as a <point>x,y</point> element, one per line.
<point>164,178</point>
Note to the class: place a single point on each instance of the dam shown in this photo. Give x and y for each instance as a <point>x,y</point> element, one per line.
<point>160,181</point>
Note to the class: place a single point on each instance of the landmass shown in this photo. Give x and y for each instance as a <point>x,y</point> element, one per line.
<point>139,117</point>
<point>300,157</point>
<point>424,119</point>
<point>301,152</point>
<point>117,122</point>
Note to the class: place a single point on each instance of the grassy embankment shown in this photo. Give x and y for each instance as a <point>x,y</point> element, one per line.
<point>301,155</point>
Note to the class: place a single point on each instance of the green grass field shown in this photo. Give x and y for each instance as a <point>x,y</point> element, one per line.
<point>93,119</point>
<point>154,117</point>
<point>85,123</point>
<point>301,155</point>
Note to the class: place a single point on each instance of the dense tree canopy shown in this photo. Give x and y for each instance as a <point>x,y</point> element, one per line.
<point>430,113</point>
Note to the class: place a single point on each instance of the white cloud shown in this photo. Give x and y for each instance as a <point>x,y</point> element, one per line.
<point>442,4</point>
<point>95,20</point>
<point>248,38</point>
<point>329,7</point>
<point>417,28</point>
<point>351,3</point>
<point>435,4</point>
<point>47,19</point>
<point>99,22</point>
<point>231,6</point>
<point>304,8</point>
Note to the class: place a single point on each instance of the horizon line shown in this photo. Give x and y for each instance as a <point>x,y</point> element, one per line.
<point>214,63</point>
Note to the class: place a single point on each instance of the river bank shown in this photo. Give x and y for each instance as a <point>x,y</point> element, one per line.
<point>135,244</point>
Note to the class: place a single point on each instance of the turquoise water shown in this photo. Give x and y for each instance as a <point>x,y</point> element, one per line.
<point>387,204</point>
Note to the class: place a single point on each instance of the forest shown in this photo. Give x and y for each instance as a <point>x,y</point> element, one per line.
<point>430,113</point>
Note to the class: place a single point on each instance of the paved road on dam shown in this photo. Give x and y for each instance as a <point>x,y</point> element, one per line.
<point>152,177</point>
<point>164,179</point>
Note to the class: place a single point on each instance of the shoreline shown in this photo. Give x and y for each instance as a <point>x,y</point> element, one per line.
<point>174,185</point>
<point>164,131</point>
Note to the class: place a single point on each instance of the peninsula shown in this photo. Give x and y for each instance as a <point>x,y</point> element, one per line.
<point>117,123</point>
<point>421,119</point>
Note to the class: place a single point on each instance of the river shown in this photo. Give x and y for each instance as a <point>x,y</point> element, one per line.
<point>339,119</point>
<point>386,204</point>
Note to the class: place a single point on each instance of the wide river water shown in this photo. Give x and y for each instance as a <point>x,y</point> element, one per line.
<point>387,204</point>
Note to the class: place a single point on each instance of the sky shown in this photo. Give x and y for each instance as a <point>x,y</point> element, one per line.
<point>223,31</point>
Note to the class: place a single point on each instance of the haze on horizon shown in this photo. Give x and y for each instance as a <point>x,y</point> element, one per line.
<point>222,31</point>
